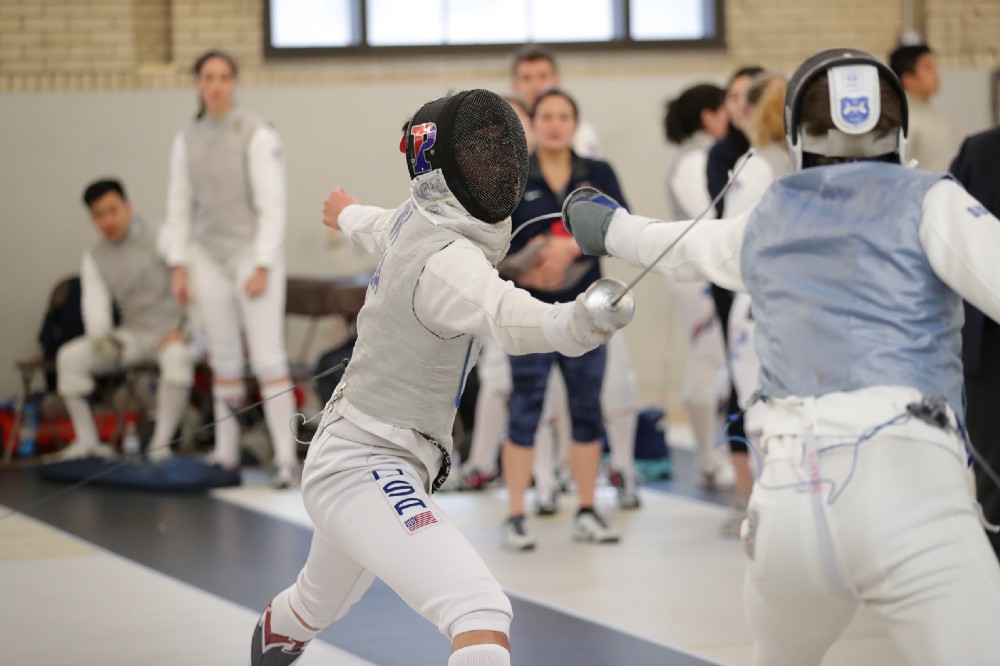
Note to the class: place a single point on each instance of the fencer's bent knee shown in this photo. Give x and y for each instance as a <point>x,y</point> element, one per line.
<point>229,391</point>
<point>269,367</point>
<point>482,620</point>
<point>176,365</point>
<point>74,368</point>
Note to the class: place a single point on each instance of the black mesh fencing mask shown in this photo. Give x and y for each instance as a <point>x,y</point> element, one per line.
<point>477,141</point>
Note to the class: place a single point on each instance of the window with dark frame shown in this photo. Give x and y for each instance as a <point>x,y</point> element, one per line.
<point>331,27</point>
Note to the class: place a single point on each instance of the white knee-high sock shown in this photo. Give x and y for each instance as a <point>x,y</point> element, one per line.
<point>480,655</point>
<point>227,399</point>
<point>170,403</point>
<point>491,423</point>
<point>83,420</point>
<point>279,407</point>
<point>283,620</point>
<point>705,423</point>
<point>544,469</point>
<point>621,440</point>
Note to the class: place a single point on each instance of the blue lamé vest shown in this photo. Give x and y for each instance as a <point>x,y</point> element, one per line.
<point>843,294</point>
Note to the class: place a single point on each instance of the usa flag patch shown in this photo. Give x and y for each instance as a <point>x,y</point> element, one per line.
<point>421,520</point>
<point>407,499</point>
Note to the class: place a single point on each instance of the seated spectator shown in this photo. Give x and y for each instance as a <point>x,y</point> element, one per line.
<point>126,269</point>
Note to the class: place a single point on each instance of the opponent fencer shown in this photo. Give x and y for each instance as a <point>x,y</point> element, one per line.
<point>384,440</point>
<point>857,267</point>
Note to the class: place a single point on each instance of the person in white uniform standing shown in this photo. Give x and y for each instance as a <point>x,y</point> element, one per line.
<point>226,216</point>
<point>857,267</point>
<point>764,122</point>
<point>125,269</point>
<point>693,121</point>
<point>384,442</point>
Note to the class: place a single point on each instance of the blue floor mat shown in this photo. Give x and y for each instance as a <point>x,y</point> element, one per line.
<point>176,474</point>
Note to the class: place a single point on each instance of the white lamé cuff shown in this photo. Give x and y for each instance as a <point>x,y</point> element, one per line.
<point>622,239</point>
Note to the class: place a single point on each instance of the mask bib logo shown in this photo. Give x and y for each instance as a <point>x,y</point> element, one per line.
<point>407,502</point>
<point>854,110</point>
<point>424,135</point>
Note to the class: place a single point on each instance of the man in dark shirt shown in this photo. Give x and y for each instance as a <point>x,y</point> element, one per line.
<point>977,167</point>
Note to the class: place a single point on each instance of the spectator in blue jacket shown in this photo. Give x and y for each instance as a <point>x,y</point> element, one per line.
<point>558,272</point>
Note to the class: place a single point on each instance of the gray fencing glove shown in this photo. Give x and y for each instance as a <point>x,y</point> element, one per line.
<point>587,214</point>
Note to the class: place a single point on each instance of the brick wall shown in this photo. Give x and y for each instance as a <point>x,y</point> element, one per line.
<point>109,44</point>
<point>45,39</point>
<point>967,32</point>
<point>152,32</point>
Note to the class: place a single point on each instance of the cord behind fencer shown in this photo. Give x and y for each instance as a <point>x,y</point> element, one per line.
<point>127,459</point>
<point>540,218</point>
<point>930,410</point>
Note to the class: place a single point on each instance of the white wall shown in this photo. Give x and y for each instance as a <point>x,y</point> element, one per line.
<point>53,144</point>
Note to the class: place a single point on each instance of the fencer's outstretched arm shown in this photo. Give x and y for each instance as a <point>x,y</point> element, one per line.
<point>961,238</point>
<point>460,292</point>
<point>365,227</point>
<point>709,252</point>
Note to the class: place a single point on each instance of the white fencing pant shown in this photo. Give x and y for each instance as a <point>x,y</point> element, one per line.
<point>78,361</point>
<point>620,405</point>
<point>491,408</point>
<point>226,312</point>
<point>704,367</point>
<point>374,518</point>
<point>903,538</point>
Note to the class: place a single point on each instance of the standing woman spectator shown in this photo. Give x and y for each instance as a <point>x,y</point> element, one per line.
<point>765,123</point>
<point>559,275</point>
<point>226,215</point>
<point>694,121</point>
<point>722,157</point>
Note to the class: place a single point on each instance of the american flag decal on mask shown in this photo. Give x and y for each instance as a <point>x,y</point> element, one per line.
<point>420,520</point>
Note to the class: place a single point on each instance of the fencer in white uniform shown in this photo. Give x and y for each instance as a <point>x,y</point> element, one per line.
<point>695,120</point>
<point>857,267</point>
<point>769,161</point>
<point>226,218</point>
<point>384,441</point>
<point>125,268</point>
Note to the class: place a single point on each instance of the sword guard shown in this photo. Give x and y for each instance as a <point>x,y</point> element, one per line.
<point>609,305</point>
